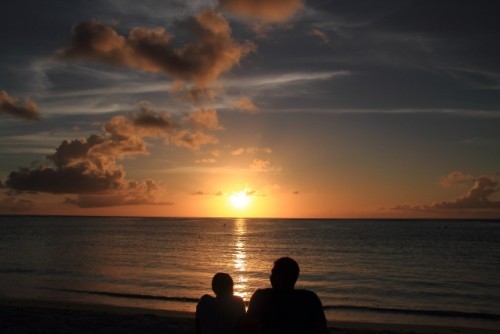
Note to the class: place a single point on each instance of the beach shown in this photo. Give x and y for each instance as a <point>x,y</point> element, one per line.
<point>19,316</point>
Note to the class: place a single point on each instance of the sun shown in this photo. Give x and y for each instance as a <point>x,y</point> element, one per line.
<point>239,200</point>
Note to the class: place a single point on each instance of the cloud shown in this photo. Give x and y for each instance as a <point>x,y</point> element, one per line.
<point>455,179</point>
<point>204,119</point>
<point>203,193</point>
<point>206,161</point>
<point>259,164</point>
<point>76,169</point>
<point>480,197</point>
<point>244,104</point>
<point>267,10</point>
<point>88,167</point>
<point>152,50</point>
<point>321,35</point>
<point>251,150</point>
<point>11,106</point>
<point>144,192</point>
<point>11,204</point>
<point>193,130</point>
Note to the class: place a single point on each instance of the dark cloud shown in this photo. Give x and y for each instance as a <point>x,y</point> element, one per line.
<point>268,10</point>
<point>76,170</point>
<point>152,50</point>
<point>11,106</point>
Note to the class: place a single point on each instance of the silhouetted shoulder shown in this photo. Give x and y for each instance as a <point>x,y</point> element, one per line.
<point>307,296</point>
<point>286,311</point>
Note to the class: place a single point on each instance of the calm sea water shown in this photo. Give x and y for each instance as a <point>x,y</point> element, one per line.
<point>403,271</point>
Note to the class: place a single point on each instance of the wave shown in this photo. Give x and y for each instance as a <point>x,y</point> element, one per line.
<point>433,313</point>
<point>131,295</point>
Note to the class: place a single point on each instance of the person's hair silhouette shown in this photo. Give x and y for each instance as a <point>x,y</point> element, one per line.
<point>285,273</point>
<point>222,314</point>
<point>222,285</point>
<point>284,309</point>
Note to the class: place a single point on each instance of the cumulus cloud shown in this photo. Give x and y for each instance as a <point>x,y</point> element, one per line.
<point>267,10</point>
<point>152,50</point>
<point>76,169</point>
<point>13,107</point>
<point>244,104</point>
<point>88,167</point>
<point>321,35</point>
<point>482,196</point>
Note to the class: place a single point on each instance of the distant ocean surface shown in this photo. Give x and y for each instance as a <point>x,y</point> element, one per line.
<point>402,271</point>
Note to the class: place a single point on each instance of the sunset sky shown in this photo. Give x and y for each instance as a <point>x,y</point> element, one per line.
<point>263,108</point>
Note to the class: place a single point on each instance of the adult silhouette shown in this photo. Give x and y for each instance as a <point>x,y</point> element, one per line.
<point>284,309</point>
<point>222,314</point>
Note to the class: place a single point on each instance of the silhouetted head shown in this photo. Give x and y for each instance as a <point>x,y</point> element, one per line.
<point>285,273</point>
<point>222,284</point>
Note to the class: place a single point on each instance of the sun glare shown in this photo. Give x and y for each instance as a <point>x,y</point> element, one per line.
<point>239,200</point>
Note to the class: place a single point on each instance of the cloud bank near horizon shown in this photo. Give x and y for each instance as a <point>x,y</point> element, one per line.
<point>483,195</point>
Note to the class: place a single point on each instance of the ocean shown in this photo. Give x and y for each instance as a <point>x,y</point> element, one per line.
<point>401,271</point>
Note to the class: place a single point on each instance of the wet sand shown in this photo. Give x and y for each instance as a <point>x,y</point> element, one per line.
<point>35,316</point>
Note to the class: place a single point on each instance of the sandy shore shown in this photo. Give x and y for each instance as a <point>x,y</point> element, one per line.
<point>34,316</point>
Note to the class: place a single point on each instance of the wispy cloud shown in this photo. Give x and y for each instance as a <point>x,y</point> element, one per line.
<point>283,79</point>
<point>321,35</point>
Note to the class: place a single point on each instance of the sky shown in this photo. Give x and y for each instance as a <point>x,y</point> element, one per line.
<point>256,108</point>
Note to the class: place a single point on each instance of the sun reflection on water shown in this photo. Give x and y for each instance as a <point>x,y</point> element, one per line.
<point>240,277</point>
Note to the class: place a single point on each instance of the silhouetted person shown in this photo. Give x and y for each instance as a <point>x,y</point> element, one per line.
<point>284,309</point>
<point>219,315</point>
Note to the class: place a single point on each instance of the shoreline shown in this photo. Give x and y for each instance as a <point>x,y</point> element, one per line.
<point>43,316</point>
